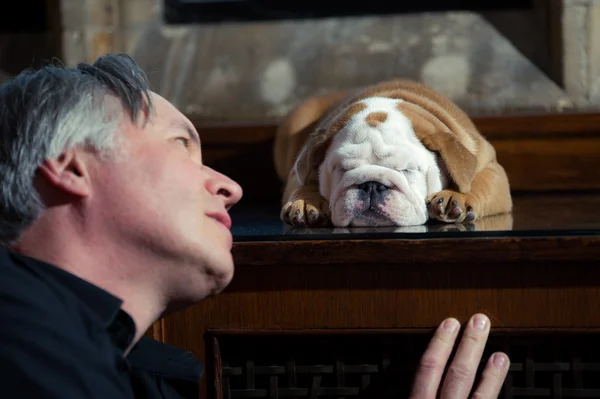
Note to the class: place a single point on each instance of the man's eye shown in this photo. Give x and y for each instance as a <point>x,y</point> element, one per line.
<point>183,140</point>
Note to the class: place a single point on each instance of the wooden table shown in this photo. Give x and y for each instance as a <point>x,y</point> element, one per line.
<point>322,313</point>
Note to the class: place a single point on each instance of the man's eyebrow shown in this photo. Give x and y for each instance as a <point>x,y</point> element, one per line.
<point>179,124</point>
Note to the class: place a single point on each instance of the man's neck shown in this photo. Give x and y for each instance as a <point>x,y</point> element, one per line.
<point>100,264</point>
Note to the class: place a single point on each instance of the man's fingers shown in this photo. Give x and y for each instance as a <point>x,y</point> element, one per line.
<point>493,377</point>
<point>459,379</point>
<point>433,361</point>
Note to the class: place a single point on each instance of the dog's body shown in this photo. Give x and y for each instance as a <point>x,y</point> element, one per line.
<point>392,154</point>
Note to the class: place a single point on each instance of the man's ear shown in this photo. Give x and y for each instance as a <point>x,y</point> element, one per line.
<point>67,173</point>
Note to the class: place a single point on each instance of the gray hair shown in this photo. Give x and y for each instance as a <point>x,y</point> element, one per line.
<point>47,111</point>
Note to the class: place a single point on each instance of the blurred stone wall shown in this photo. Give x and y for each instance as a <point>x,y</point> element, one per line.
<point>493,63</point>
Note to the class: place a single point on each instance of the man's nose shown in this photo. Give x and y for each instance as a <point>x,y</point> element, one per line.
<point>232,195</point>
<point>229,190</point>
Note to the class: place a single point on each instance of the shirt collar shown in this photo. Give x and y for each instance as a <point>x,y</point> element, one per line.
<point>165,360</point>
<point>105,306</point>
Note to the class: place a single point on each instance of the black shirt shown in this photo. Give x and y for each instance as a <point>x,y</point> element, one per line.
<point>62,337</point>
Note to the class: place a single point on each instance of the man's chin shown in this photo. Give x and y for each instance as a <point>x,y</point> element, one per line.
<point>221,273</point>
<point>198,288</point>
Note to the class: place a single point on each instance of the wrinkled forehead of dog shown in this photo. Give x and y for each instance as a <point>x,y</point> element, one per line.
<point>374,128</point>
<point>362,119</point>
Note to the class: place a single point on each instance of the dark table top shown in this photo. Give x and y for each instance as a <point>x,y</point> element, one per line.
<point>538,215</point>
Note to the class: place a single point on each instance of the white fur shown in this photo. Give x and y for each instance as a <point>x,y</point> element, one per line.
<point>390,154</point>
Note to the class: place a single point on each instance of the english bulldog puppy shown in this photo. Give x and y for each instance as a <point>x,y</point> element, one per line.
<point>396,153</point>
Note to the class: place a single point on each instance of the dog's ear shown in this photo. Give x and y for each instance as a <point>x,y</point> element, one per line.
<point>460,162</point>
<point>436,136</point>
<point>312,154</point>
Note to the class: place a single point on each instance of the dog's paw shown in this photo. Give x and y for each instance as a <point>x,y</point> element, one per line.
<point>452,207</point>
<point>306,213</point>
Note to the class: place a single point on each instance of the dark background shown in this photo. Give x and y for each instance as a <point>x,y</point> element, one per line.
<point>195,11</point>
<point>31,16</point>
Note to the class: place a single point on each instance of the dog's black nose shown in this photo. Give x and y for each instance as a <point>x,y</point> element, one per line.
<point>371,187</point>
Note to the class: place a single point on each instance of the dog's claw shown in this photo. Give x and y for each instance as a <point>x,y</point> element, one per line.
<point>455,211</point>
<point>306,213</point>
<point>449,207</point>
<point>470,214</point>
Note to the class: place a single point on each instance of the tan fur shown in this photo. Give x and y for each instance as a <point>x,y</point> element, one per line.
<point>479,182</point>
<point>374,119</point>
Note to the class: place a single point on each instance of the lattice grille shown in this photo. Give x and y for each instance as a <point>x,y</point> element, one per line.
<point>378,366</point>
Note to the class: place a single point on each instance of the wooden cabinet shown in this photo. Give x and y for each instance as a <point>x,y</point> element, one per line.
<point>330,313</point>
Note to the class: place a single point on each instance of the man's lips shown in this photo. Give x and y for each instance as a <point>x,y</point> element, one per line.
<point>221,217</point>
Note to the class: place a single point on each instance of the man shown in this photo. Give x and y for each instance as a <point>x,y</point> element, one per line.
<point>110,220</point>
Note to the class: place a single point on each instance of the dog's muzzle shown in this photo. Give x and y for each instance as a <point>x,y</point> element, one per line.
<point>372,193</point>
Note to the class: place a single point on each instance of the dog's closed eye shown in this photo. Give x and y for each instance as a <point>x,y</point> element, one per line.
<point>339,168</point>
<point>411,169</point>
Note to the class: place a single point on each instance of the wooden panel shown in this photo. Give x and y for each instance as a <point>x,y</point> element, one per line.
<point>360,364</point>
<point>455,251</point>
<point>396,296</point>
<point>539,126</point>
<point>517,296</point>
<point>551,164</point>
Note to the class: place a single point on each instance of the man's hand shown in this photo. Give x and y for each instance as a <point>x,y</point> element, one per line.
<point>460,376</point>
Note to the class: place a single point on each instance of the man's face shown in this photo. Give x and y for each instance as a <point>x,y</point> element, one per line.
<point>158,198</point>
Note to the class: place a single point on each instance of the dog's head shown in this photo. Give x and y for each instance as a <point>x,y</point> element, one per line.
<point>377,159</point>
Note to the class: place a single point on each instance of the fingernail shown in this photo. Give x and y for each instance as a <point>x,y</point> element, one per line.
<point>499,360</point>
<point>480,322</point>
<point>450,325</point>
